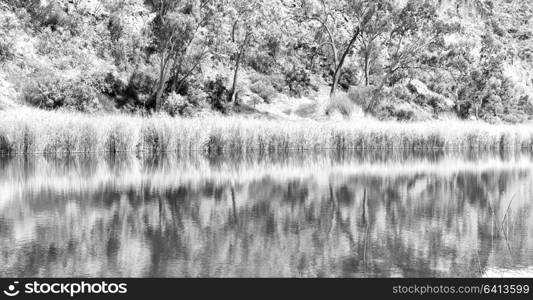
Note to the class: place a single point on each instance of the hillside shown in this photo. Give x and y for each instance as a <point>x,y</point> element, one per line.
<point>393,60</point>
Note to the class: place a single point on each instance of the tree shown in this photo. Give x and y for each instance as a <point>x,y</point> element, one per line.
<point>372,31</point>
<point>245,25</point>
<point>127,22</point>
<point>416,30</point>
<point>242,31</point>
<point>344,23</point>
<point>178,27</point>
<point>486,90</point>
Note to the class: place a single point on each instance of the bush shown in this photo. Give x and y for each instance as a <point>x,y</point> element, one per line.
<point>46,93</point>
<point>299,81</point>
<point>175,104</point>
<point>53,16</point>
<point>53,93</point>
<point>217,93</point>
<point>348,78</point>
<point>513,119</point>
<point>264,89</point>
<point>395,112</point>
<point>139,88</point>
<point>109,84</point>
<point>197,96</point>
<point>8,28</point>
<point>278,82</point>
<point>261,63</point>
<point>342,104</point>
<point>6,48</point>
<point>366,97</point>
<point>83,97</point>
<point>525,105</point>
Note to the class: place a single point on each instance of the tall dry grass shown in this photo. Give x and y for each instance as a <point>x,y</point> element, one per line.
<point>27,131</point>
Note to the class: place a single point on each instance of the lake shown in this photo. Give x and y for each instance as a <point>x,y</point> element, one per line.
<point>316,214</point>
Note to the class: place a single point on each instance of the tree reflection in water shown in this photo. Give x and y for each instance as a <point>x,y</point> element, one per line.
<point>318,214</point>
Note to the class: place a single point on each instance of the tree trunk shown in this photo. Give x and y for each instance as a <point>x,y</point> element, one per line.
<point>161,83</point>
<point>335,81</point>
<point>233,90</point>
<point>338,69</point>
<point>235,78</point>
<point>367,61</point>
<point>159,96</point>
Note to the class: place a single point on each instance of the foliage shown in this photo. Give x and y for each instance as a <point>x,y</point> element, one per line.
<point>8,30</point>
<point>365,97</point>
<point>180,35</point>
<point>175,104</point>
<point>264,89</point>
<point>135,55</point>
<point>348,78</point>
<point>341,104</point>
<point>298,81</point>
<point>51,93</point>
<point>6,46</point>
<point>217,93</point>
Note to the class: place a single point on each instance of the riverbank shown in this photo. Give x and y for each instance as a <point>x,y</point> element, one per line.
<point>30,131</point>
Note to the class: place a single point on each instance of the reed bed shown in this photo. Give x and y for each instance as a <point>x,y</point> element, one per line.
<point>30,131</point>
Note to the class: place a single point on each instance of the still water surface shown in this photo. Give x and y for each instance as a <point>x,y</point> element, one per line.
<point>314,214</point>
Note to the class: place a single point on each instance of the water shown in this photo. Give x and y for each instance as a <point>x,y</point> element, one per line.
<point>314,214</point>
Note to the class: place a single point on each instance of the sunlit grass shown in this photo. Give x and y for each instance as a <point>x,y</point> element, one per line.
<point>27,131</point>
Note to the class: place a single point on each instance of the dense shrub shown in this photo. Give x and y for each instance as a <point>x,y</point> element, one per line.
<point>139,89</point>
<point>52,14</point>
<point>388,111</point>
<point>366,97</point>
<point>46,93</point>
<point>341,104</point>
<point>217,93</point>
<point>486,95</point>
<point>6,48</point>
<point>52,93</point>
<point>176,104</point>
<point>525,105</point>
<point>264,89</point>
<point>298,81</point>
<point>348,78</point>
<point>261,63</point>
<point>196,95</point>
<point>278,82</point>
<point>8,30</point>
<point>110,84</point>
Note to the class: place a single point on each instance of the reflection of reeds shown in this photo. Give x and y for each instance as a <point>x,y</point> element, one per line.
<point>127,172</point>
<point>32,131</point>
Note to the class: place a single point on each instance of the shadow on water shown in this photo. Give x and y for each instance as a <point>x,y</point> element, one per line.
<point>315,214</point>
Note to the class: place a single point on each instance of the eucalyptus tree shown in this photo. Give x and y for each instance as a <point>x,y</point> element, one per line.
<point>180,38</point>
<point>343,23</point>
<point>373,34</point>
<point>416,30</point>
<point>243,26</point>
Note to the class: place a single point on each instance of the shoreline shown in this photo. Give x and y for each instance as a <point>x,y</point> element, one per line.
<point>31,131</point>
